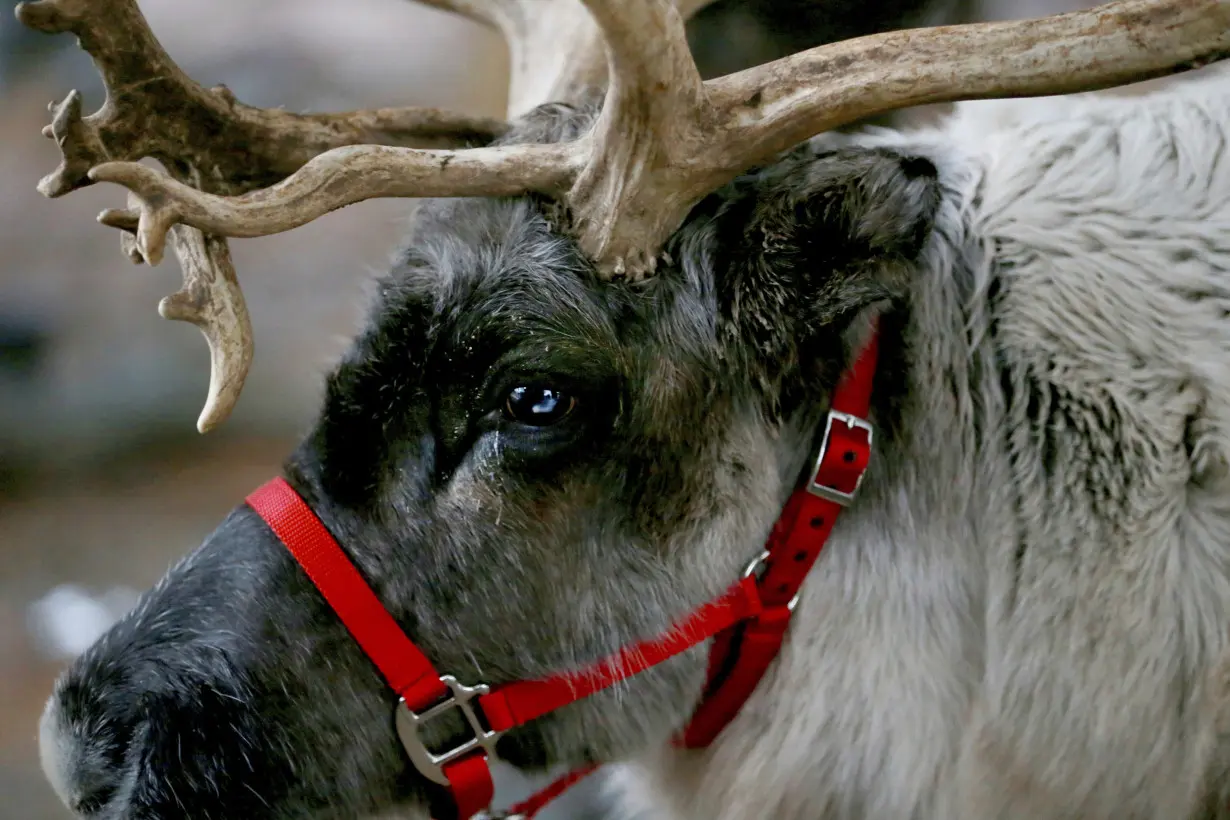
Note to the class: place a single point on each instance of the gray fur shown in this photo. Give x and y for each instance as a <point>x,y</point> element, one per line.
<point>1025,614</point>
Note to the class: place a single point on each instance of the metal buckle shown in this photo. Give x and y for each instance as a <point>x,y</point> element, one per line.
<point>831,493</point>
<point>409,723</point>
<point>758,565</point>
<point>756,569</point>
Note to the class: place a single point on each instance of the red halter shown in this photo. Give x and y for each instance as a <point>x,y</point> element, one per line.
<point>748,623</point>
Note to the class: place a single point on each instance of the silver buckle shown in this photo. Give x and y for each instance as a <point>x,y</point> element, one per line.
<point>431,765</point>
<point>758,565</point>
<point>756,569</point>
<point>831,493</point>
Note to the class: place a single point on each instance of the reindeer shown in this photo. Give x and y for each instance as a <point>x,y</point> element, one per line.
<point>593,386</point>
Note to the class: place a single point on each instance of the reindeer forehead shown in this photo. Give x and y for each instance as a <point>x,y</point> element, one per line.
<point>483,277</point>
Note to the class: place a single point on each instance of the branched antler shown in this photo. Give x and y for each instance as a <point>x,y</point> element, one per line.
<point>664,138</point>
<point>155,110</point>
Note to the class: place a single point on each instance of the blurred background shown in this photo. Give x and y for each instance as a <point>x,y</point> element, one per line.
<point>103,478</point>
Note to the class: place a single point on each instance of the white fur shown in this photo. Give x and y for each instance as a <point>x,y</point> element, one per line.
<point>929,676</point>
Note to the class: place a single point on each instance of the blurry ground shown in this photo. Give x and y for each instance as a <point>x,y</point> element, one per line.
<point>103,480</point>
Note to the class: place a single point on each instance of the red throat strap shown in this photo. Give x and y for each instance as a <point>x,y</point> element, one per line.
<point>742,654</point>
<point>748,623</point>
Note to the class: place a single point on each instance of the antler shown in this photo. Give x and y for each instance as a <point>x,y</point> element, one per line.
<point>154,110</point>
<point>665,139</point>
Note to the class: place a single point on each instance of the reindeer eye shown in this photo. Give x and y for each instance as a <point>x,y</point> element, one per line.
<point>538,406</point>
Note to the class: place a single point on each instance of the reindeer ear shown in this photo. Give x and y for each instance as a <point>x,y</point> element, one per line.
<point>801,248</point>
<point>841,207</point>
<point>880,201</point>
<point>828,231</point>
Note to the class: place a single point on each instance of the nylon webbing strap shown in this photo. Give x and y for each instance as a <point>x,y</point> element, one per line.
<point>742,654</point>
<point>406,669</point>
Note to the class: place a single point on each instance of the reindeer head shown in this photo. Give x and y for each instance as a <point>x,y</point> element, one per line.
<point>535,453</point>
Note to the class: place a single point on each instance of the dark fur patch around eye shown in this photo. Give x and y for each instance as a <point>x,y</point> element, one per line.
<point>490,298</point>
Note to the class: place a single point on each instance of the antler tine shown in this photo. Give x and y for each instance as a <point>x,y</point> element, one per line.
<point>212,300</point>
<point>332,180</point>
<point>153,109</point>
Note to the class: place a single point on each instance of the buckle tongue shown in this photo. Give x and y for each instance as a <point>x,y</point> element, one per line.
<point>409,723</point>
<point>826,491</point>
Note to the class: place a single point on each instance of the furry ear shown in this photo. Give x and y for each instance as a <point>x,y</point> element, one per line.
<point>832,221</point>
<point>803,247</point>
<point>882,201</point>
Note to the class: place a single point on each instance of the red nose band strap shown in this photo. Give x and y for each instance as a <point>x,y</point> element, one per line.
<point>406,669</point>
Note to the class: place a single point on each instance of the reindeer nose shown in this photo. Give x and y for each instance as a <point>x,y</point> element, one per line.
<point>85,771</point>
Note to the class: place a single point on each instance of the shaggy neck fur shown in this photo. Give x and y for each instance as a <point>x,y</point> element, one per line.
<point>1025,614</point>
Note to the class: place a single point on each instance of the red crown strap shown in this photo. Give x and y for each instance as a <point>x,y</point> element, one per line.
<point>793,547</point>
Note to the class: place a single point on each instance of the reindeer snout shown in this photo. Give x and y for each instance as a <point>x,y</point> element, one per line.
<point>83,757</point>
<point>121,741</point>
<point>216,698</point>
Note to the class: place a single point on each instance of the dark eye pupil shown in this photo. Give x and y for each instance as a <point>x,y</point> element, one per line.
<point>538,406</point>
